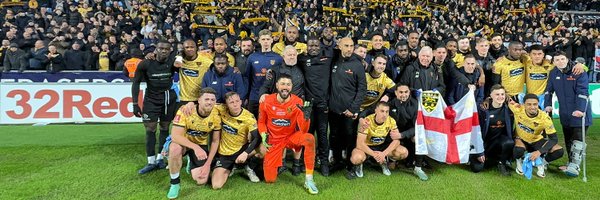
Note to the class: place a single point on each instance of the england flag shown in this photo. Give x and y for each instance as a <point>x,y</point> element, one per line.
<point>447,133</point>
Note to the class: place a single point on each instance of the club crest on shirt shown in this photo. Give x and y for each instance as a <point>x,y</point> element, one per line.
<point>272,62</point>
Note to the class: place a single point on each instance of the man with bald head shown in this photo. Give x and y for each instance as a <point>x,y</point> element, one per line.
<point>421,74</point>
<point>348,90</point>
<point>291,39</point>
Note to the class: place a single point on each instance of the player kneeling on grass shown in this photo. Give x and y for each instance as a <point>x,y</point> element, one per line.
<point>238,139</point>
<point>283,123</point>
<point>190,135</point>
<point>531,123</point>
<point>378,137</point>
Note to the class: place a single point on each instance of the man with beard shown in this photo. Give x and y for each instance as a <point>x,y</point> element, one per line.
<point>485,62</point>
<point>316,67</point>
<point>257,66</point>
<point>291,39</point>
<point>413,43</point>
<point>463,49</point>
<point>283,123</point>
<point>190,137</point>
<point>498,49</point>
<point>219,47</point>
<point>348,90</point>
<point>223,79</point>
<point>421,74</point>
<point>247,47</point>
<point>399,61</point>
<point>289,67</point>
<point>447,68</point>
<point>159,101</point>
<point>327,42</point>
<point>377,48</point>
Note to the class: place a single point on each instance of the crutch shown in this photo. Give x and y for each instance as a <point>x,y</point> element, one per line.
<point>587,100</point>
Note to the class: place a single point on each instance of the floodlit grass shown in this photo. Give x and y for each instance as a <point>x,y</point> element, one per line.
<point>100,161</point>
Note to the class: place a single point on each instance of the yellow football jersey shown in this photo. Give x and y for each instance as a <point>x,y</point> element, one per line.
<point>512,74</point>
<point>300,48</point>
<point>375,89</point>
<point>530,129</point>
<point>198,128</point>
<point>235,130</point>
<point>376,133</point>
<point>190,78</point>
<point>536,77</point>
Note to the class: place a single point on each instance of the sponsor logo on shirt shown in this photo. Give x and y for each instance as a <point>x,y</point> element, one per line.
<point>229,129</point>
<point>281,122</point>
<point>525,128</point>
<point>190,73</point>
<point>371,93</point>
<point>516,72</point>
<point>377,140</point>
<point>538,76</point>
<point>196,133</point>
<point>229,84</point>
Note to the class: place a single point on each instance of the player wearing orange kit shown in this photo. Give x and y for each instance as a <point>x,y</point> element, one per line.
<point>283,123</point>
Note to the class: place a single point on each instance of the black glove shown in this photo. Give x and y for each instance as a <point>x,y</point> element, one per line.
<point>306,109</point>
<point>137,111</point>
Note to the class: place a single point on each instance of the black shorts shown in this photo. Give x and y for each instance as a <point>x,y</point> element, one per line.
<point>161,107</point>
<point>194,162</point>
<point>228,161</point>
<point>531,147</point>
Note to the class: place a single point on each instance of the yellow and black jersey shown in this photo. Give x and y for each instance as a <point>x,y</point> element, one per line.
<point>197,128</point>
<point>375,89</point>
<point>190,78</point>
<point>512,75</point>
<point>529,129</point>
<point>536,77</point>
<point>376,133</point>
<point>235,130</point>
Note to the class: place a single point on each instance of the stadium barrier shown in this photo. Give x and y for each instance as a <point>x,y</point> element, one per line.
<point>79,97</point>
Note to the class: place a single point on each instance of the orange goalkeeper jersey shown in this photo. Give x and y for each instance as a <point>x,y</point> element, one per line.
<point>281,120</point>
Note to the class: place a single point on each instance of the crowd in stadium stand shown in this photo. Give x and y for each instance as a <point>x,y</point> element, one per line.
<point>100,35</point>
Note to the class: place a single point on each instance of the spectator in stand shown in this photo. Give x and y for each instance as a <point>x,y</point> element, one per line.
<point>75,58</point>
<point>37,56</point>
<point>54,61</point>
<point>14,59</point>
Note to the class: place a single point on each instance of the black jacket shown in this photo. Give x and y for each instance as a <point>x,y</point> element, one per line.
<point>395,66</point>
<point>348,84</point>
<point>55,64</point>
<point>14,60</point>
<point>76,59</point>
<point>297,80</point>
<point>418,77</point>
<point>317,73</point>
<point>497,53</point>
